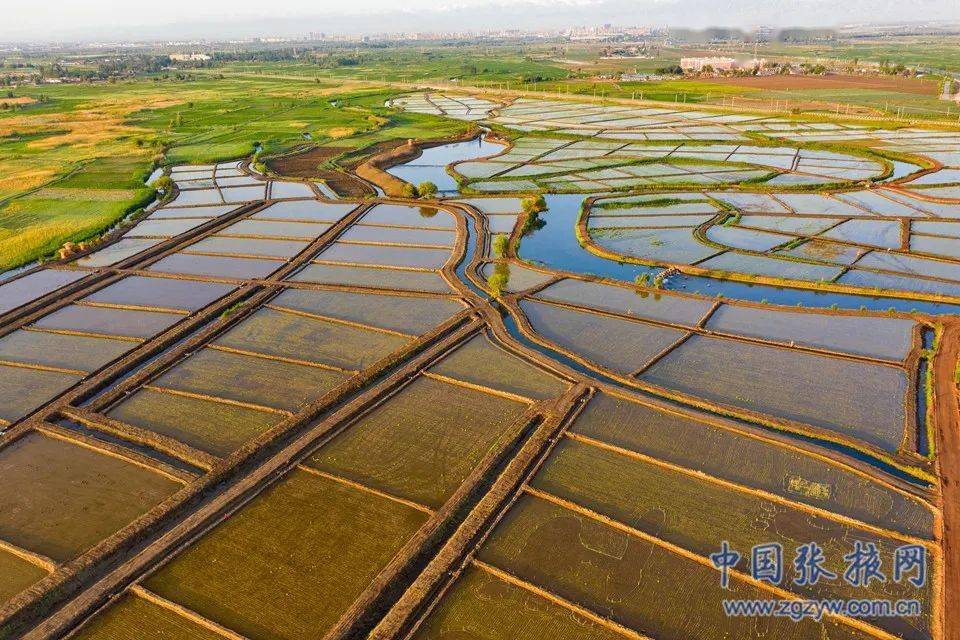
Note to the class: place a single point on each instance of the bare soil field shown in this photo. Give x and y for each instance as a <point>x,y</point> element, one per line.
<point>308,165</point>
<point>881,83</point>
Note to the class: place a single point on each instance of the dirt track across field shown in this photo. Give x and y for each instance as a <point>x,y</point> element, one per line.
<point>948,450</point>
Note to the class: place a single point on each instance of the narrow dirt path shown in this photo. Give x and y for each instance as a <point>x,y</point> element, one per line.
<point>948,449</point>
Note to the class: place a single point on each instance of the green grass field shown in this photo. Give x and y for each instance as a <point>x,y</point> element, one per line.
<point>71,166</point>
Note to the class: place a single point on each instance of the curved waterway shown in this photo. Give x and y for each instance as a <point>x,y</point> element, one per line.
<point>555,246</point>
<point>432,163</point>
<point>563,253</point>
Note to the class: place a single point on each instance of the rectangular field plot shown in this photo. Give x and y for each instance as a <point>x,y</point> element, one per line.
<point>289,563</point>
<point>196,197</point>
<point>134,617</point>
<point>823,251</point>
<point>405,314</point>
<point>949,247</point>
<point>163,228</point>
<point>404,216</point>
<point>254,228</point>
<point>908,264</point>
<point>622,345</point>
<point>644,222</point>
<point>300,338</point>
<point>248,379</point>
<point>205,182</point>
<point>77,353</point>
<point>751,461</point>
<point>421,443</point>
<point>192,172</point>
<point>23,390</point>
<point>216,266</point>
<point>753,202</point>
<point>16,574</point>
<point>501,223</point>
<point>109,322</point>
<point>214,427</point>
<point>424,237</point>
<point>875,203</point>
<point>482,605</point>
<point>59,499</point>
<point>859,400</point>
<point>640,304</point>
<point>373,277</point>
<point>789,224</point>
<point>30,287</point>
<point>389,256</point>
<point>480,361</point>
<point>192,212</point>
<point>694,513</point>
<point>237,181</point>
<point>495,205</point>
<point>243,194</point>
<point>304,210</point>
<point>162,293</point>
<point>630,580</point>
<point>815,203</point>
<point>748,239</point>
<point>674,246</point>
<point>518,277</point>
<point>290,190</point>
<point>117,251</point>
<point>876,337</point>
<point>764,266</point>
<point>251,247</point>
<point>873,280</point>
<point>879,233</point>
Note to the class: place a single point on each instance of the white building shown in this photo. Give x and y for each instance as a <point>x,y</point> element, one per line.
<point>696,65</point>
<point>189,57</point>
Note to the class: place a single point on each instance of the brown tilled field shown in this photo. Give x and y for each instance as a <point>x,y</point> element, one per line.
<point>308,165</point>
<point>847,81</point>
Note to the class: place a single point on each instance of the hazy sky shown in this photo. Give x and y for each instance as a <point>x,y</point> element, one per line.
<point>171,19</point>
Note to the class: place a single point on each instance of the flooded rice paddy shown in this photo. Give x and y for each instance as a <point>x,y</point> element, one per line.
<point>399,423</point>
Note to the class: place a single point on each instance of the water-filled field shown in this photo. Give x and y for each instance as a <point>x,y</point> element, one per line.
<point>484,415</point>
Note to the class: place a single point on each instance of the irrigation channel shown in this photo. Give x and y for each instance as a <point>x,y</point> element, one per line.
<point>554,246</point>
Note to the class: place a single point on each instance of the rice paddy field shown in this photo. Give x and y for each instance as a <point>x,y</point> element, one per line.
<point>266,409</point>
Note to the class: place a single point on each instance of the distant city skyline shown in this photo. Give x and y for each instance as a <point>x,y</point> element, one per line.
<point>113,20</point>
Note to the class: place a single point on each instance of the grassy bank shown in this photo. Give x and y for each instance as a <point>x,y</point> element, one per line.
<point>74,163</point>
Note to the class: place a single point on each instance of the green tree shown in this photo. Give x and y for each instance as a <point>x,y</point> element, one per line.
<point>163,183</point>
<point>408,191</point>
<point>427,189</point>
<point>533,204</point>
<point>499,278</point>
<point>501,242</point>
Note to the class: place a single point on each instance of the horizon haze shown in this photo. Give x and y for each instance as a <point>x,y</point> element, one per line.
<point>111,20</point>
